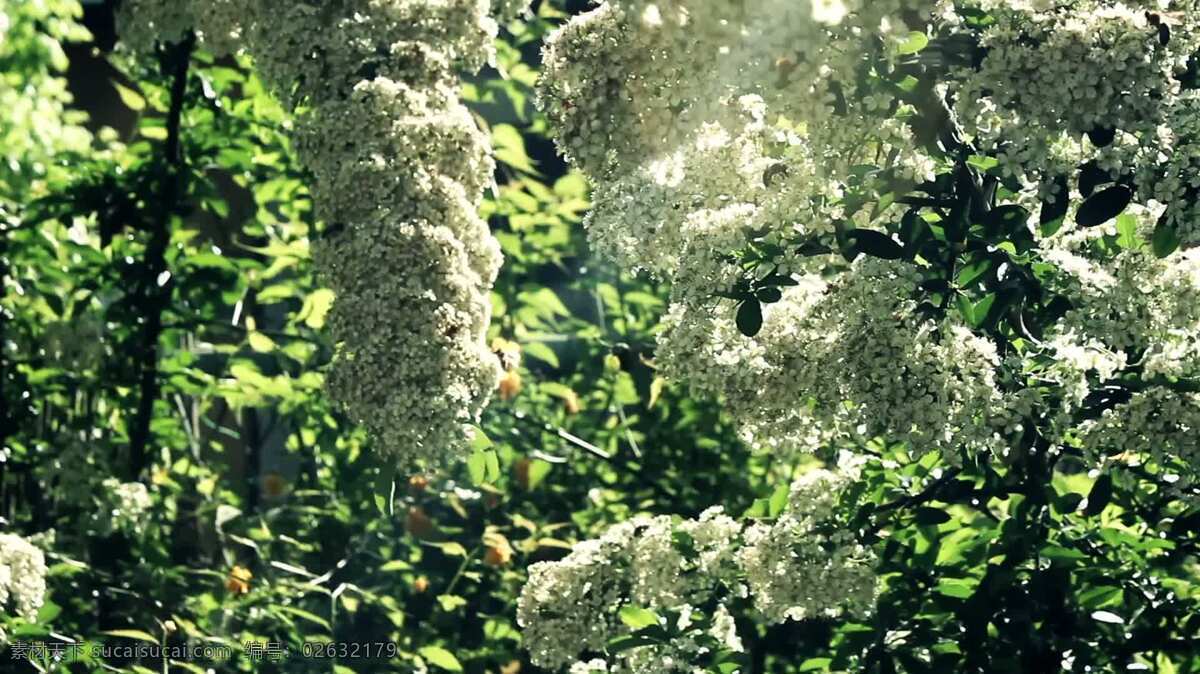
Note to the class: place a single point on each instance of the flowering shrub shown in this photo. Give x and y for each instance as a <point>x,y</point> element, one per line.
<point>922,133</point>
<point>887,363</point>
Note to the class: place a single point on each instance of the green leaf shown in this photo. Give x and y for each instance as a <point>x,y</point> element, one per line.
<point>1127,237</point>
<point>509,148</point>
<point>875,244</point>
<point>778,501</point>
<point>914,43</point>
<point>131,634</point>
<point>1165,240</point>
<point>542,352</point>
<point>440,657</point>
<point>1103,206</point>
<point>305,615</point>
<point>1100,495</point>
<point>450,602</point>
<point>479,440</point>
<point>132,99</point>
<point>959,588</point>
<point>630,641</point>
<point>477,467</point>
<point>927,516</point>
<point>637,618</point>
<point>48,612</point>
<point>316,308</point>
<point>749,317</point>
<point>1053,212</point>
<point>1101,596</point>
<point>493,465</point>
<point>1058,553</point>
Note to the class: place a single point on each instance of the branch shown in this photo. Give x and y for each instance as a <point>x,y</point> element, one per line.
<point>157,294</point>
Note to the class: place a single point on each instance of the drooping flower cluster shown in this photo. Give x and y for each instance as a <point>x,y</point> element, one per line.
<point>812,121</point>
<point>694,571</point>
<point>399,168</point>
<point>22,578</point>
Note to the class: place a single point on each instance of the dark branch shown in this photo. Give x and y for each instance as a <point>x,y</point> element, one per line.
<point>157,287</point>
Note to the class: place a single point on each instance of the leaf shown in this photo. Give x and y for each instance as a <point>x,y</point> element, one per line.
<point>769,295</point>
<point>915,42</point>
<point>440,657</point>
<point>1165,240</point>
<point>637,618</point>
<point>1092,176</point>
<point>477,467</point>
<point>451,549</point>
<point>1108,617</point>
<point>48,612</point>
<point>449,602</point>
<point>479,440</point>
<point>261,343</point>
<point>628,642</point>
<point>1100,495</point>
<point>1127,237</point>
<point>1009,217</point>
<point>876,244</point>
<point>509,148</point>
<point>959,588</point>
<point>305,615</point>
<point>778,501</point>
<point>131,634</point>
<point>316,308</point>
<point>132,99</point>
<point>1103,206</point>
<point>493,465</point>
<point>1099,597</point>
<point>927,516</point>
<point>542,352</point>
<point>749,317</point>
<point>1057,553</point>
<point>656,389</point>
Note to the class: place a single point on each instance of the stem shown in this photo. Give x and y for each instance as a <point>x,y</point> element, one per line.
<point>157,292</point>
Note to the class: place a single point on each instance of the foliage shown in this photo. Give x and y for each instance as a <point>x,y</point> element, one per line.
<point>168,444</point>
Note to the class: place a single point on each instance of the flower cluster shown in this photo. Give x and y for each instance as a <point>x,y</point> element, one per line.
<point>125,505</point>
<point>844,358</point>
<point>689,171</point>
<point>689,574</point>
<point>804,565</point>
<point>22,578</point>
<point>399,169</point>
<point>806,127</point>
<point>1096,81</point>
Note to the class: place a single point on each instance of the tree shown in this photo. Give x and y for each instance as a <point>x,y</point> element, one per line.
<point>887,361</point>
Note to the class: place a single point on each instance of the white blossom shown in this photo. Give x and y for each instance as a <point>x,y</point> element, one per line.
<point>802,565</point>
<point>22,578</point>
<point>399,168</point>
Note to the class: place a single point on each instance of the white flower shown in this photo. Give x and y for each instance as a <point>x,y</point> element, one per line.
<point>399,168</point>
<point>22,577</point>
